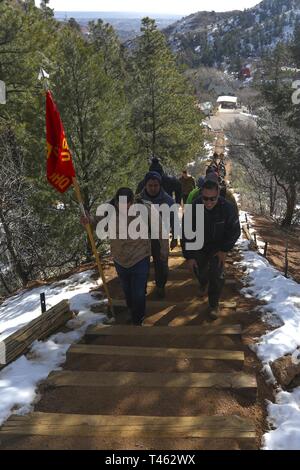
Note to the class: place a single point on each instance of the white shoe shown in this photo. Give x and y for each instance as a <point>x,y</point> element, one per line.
<point>109,321</point>
<point>214,312</point>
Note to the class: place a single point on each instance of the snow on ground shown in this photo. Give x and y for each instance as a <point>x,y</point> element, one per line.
<point>282,297</point>
<point>284,416</point>
<point>253,116</point>
<point>259,241</point>
<point>20,309</point>
<point>209,150</point>
<point>19,380</point>
<point>282,303</point>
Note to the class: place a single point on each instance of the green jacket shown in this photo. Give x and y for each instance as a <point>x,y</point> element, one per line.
<point>193,195</point>
<point>229,197</point>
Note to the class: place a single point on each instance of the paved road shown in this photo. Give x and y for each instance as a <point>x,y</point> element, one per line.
<point>221,120</point>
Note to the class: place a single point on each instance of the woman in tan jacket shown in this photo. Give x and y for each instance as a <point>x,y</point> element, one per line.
<point>131,255</point>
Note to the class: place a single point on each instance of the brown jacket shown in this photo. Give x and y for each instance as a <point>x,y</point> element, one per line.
<point>129,252</point>
<point>187,185</point>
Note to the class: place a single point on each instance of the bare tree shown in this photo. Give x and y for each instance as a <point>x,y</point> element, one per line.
<point>270,161</point>
<point>28,249</point>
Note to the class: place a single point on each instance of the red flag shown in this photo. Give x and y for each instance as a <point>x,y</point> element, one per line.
<point>60,168</point>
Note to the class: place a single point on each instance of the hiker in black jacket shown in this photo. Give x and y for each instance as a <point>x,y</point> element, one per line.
<point>221,232</point>
<point>154,193</point>
<point>170,184</point>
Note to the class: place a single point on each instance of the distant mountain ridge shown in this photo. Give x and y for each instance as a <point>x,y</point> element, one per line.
<point>110,14</point>
<point>211,38</point>
<point>127,25</point>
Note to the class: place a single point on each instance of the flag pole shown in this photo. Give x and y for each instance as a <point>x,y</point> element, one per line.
<point>43,77</point>
<point>93,244</point>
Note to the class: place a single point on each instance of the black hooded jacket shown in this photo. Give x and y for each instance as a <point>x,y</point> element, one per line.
<point>169,183</point>
<point>221,228</point>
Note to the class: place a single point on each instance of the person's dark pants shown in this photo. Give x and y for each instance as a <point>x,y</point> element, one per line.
<point>184,198</point>
<point>211,273</point>
<point>161,269</point>
<point>134,283</point>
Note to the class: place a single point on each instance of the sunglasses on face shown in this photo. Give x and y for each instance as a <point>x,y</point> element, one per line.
<point>211,199</point>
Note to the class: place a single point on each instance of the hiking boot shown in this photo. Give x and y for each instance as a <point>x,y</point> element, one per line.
<point>138,322</point>
<point>214,312</point>
<point>160,292</point>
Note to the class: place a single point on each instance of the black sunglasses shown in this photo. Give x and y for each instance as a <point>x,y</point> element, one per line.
<point>212,199</point>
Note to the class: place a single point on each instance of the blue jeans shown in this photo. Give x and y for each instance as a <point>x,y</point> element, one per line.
<point>134,283</point>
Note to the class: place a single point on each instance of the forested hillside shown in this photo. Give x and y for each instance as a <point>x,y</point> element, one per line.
<point>117,110</point>
<point>230,38</point>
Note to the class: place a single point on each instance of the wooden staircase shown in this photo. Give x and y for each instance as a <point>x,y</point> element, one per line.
<point>174,383</point>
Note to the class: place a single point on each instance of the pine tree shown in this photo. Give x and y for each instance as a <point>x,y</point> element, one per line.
<point>47,11</point>
<point>106,42</point>
<point>164,116</point>
<point>295,47</point>
<point>74,24</point>
<point>95,113</point>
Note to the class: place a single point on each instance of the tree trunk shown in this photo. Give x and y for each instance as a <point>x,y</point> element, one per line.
<point>17,265</point>
<point>291,197</point>
<point>290,192</point>
<point>273,194</point>
<point>4,283</point>
<point>86,203</point>
<point>260,205</point>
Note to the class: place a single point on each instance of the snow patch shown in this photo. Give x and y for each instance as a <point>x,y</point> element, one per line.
<point>282,304</point>
<point>19,380</point>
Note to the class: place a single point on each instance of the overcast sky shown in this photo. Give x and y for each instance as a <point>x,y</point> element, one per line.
<point>181,7</point>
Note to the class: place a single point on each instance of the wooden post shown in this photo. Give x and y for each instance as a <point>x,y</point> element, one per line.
<point>43,302</point>
<point>286,264</point>
<point>265,249</point>
<point>93,244</point>
<point>255,240</point>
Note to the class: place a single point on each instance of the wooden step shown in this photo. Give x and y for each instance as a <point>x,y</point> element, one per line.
<point>166,303</point>
<point>184,282</point>
<point>210,354</point>
<point>184,273</point>
<point>126,330</point>
<point>59,424</point>
<point>176,254</point>
<point>231,380</point>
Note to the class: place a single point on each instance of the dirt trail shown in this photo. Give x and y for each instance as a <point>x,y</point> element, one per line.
<point>276,237</point>
<point>220,142</point>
